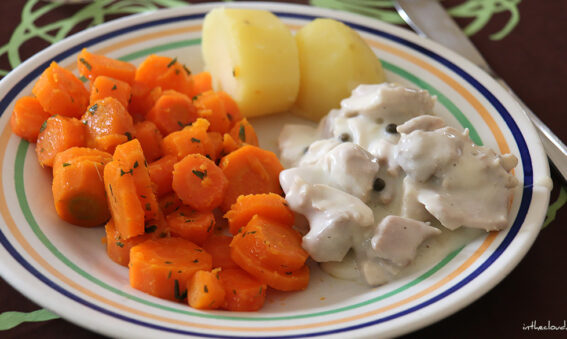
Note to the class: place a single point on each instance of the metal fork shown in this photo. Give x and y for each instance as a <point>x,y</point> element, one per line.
<point>444,30</point>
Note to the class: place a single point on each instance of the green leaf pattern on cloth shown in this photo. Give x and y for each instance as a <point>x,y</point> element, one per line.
<point>94,13</point>
<point>480,11</point>
<point>555,206</point>
<point>10,320</point>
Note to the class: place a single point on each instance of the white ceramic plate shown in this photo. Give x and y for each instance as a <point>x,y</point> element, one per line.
<point>65,268</point>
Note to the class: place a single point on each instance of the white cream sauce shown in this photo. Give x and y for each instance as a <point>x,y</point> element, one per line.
<point>378,177</point>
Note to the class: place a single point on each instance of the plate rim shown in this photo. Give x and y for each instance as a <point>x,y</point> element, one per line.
<point>121,21</point>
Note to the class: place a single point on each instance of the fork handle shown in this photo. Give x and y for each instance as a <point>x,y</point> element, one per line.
<point>554,147</point>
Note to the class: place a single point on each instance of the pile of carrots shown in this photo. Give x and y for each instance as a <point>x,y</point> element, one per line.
<point>190,203</point>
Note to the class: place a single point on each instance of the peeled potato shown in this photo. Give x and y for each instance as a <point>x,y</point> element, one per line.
<point>333,60</point>
<point>252,56</point>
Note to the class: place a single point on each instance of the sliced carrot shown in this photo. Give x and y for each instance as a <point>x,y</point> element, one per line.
<point>143,99</point>
<point>217,246</point>
<point>27,118</point>
<point>170,203</point>
<point>78,187</point>
<point>216,145</point>
<point>150,138</point>
<point>104,86</point>
<point>166,73</point>
<point>190,140</point>
<point>57,134</point>
<point>199,182</point>
<point>79,154</point>
<point>132,162</point>
<point>118,249</point>
<point>124,202</point>
<point>276,279</point>
<point>205,291</point>
<point>232,111</point>
<point>275,245</point>
<point>172,111</point>
<point>158,227</point>
<point>93,65</point>
<point>210,106</point>
<point>163,267</point>
<point>60,92</point>
<point>192,225</point>
<point>243,133</point>
<point>229,145</point>
<point>250,170</point>
<point>108,124</point>
<point>269,205</point>
<point>202,82</point>
<point>161,174</point>
<point>242,291</point>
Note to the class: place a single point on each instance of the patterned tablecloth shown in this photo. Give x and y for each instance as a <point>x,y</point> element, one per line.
<point>523,41</point>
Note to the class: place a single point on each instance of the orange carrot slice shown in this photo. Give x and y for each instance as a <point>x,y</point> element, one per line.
<point>250,170</point>
<point>27,118</point>
<point>242,291</point>
<point>202,82</point>
<point>166,73</point>
<point>229,145</point>
<point>60,92</point>
<point>132,163</point>
<point>276,246</point>
<point>276,279</point>
<point>150,138</point>
<point>170,203</point>
<point>143,99</point>
<point>123,200</point>
<point>79,154</point>
<point>243,133</point>
<point>172,111</point>
<point>216,146</point>
<point>210,106</point>
<point>161,174</point>
<point>108,124</point>
<point>78,187</point>
<point>104,86</point>
<point>190,140</point>
<point>269,205</point>
<point>232,112</point>
<point>217,246</point>
<point>93,65</point>
<point>117,248</point>
<point>192,225</point>
<point>163,267</point>
<point>205,291</point>
<point>199,182</point>
<point>57,134</point>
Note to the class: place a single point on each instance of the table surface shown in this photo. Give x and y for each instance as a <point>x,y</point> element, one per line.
<point>525,43</point>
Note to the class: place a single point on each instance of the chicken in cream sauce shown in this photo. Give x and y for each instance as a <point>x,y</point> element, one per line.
<point>382,175</point>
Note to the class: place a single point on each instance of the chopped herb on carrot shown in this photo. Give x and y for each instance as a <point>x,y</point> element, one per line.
<point>172,62</point>
<point>87,65</point>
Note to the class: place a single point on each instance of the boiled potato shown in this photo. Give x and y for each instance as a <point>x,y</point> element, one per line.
<point>252,56</point>
<point>333,60</point>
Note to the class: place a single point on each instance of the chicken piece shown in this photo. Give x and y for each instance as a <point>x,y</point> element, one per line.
<point>332,215</point>
<point>423,122</point>
<point>397,238</point>
<point>458,182</point>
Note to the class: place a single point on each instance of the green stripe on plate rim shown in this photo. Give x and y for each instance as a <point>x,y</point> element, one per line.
<point>22,199</point>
